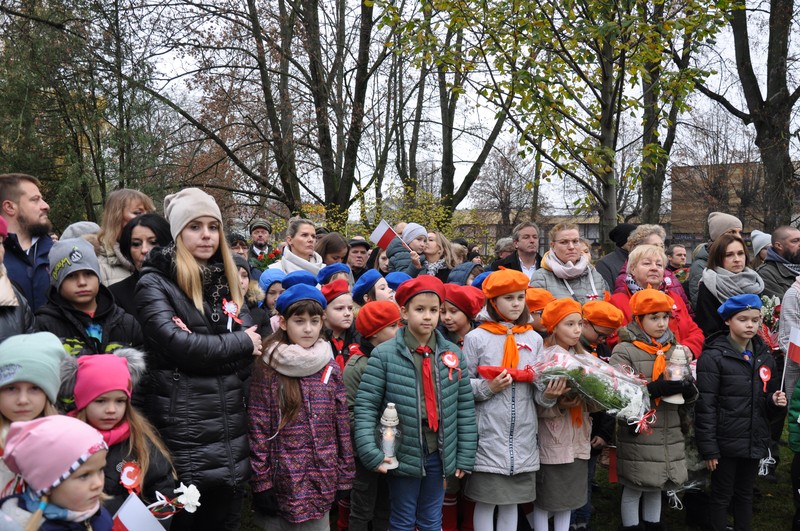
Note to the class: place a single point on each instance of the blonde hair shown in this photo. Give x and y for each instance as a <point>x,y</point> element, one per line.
<point>114,210</point>
<point>561,227</point>
<point>641,233</point>
<point>447,250</point>
<point>189,277</point>
<point>142,434</point>
<point>640,252</point>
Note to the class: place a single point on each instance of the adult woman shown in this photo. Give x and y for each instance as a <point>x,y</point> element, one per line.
<point>200,344</point>
<point>332,248</point>
<point>298,253</point>
<point>439,256</point>
<point>646,265</point>
<point>725,275</point>
<point>140,236</point>
<point>121,207</point>
<point>565,272</point>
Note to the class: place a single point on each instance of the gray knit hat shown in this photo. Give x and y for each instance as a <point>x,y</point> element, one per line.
<point>69,256</point>
<point>80,228</point>
<point>719,223</point>
<point>34,358</point>
<point>760,240</point>
<point>188,204</point>
<point>413,231</point>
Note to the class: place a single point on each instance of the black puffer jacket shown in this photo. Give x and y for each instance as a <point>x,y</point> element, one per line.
<point>16,319</point>
<point>731,415</point>
<point>196,398</point>
<point>60,318</point>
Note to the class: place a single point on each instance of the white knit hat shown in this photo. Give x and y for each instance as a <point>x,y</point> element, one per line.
<point>188,204</point>
<point>413,231</point>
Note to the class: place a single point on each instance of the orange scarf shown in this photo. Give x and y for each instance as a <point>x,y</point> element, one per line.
<point>659,351</point>
<point>576,413</point>
<point>510,351</point>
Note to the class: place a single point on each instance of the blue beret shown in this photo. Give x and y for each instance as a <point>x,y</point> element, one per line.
<point>395,278</point>
<point>299,277</point>
<point>270,277</point>
<point>329,270</point>
<point>296,293</point>
<point>478,281</point>
<point>365,283</point>
<point>739,303</point>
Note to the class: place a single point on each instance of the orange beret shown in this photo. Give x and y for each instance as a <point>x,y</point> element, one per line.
<point>537,298</point>
<point>602,313</point>
<point>374,316</point>
<point>650,301</point>
<point>556,310</point>
<point>504,281</point>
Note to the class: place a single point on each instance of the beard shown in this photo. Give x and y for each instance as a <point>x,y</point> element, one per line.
<point>34,229</point>
<point>793,258</point>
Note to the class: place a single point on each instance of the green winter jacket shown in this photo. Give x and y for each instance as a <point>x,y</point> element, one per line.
<point>391,377</point>
<point>794,418</point>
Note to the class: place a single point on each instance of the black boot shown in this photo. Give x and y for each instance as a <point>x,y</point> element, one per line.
<point>654,526</point>
<point>637,527</point>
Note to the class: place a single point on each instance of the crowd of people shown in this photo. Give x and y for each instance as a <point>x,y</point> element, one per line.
<point>155,354</point>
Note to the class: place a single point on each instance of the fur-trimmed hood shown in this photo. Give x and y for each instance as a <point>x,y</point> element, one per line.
<point>69,372</point>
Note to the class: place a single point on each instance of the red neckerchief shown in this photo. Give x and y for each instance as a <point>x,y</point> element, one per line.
<point>338,345</point>
<point>428,386</point>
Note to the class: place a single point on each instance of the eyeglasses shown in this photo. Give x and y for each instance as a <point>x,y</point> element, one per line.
<point>600,337</point>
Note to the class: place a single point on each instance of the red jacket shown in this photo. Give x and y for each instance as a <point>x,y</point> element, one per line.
<point>682,325</point>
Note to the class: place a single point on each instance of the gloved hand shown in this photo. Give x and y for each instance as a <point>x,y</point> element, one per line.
<point>266,502</point>
<point>662,387</point>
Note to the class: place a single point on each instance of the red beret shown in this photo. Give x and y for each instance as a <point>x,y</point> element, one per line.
<point>504,281</point>
<point>338,287</point>
<point>374,316</point>
<point>650,301</point>
<point>557,310</point>
<point>415,286</point>
<point>537,298</point>
<point>466,298</point>
<point>602,313</point>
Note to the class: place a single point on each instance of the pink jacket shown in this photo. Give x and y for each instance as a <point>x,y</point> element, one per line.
<point>561,441</point>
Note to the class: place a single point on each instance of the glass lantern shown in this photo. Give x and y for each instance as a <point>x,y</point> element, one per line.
<point>389,435</point>
<point>676,370</point>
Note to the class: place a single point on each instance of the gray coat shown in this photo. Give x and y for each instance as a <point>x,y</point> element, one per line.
<point>507,421</point>
<point>699,262</point>
<point>581,286</point>
<point>657,460</point>
<point>400,258</point>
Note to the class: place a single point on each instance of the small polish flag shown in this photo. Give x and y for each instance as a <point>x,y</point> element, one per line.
<point>326,375</point>
<point>382,235</point>
<point>134,516</point>
<point>794,345</point>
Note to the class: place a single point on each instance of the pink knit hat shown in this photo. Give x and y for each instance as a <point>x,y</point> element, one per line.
<point>46,451</point>
<point>100,374</point>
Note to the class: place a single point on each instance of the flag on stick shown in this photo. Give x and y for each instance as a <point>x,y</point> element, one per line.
<point>793,352</point>
<point>383,235</point>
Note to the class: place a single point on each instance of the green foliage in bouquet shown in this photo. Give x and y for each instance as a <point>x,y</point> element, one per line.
<point>589,385</point>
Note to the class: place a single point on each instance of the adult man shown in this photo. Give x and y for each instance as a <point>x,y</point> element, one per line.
<point>28,243</point>
<point>526,258</point>
<point>676,262</point>
<point>719,223</point>
<point>357,257</point>
<point>782,264</point>
<point>260,231</point>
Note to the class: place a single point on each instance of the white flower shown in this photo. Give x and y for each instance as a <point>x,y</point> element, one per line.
<point>189,497</point>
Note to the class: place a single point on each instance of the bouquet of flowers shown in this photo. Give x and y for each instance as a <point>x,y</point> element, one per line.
<point>186,498</point>
<point>617,391</point>
<point>770,317</point>
<point>264,260</point>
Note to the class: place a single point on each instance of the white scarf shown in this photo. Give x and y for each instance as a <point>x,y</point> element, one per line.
<point>566,271</point>
<point>296,361</point>
<point>291,262</point>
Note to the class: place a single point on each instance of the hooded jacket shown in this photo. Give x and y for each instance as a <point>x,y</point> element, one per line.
<point>196,396</point>
<point>400,259</point>
<point>776,276</point>
<point>731,415</point>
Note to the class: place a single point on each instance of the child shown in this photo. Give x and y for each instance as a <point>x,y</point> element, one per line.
<point>101,386</point>
<point>461,305</point>
<point>395,279</point>
<point>601,320</point>
<point>408,258</point>
<point>377,322</point>
<point>420,372</point>
<point>270,283</point>
<point>507,457</point>
<point>80,311</point>
<point>253,296</point>
<point>332,272</point>
<point>564,429</point>
<point>339,326</point>
<point>29,379</point>
<point>371,286</point>
<point>300,449</point>
<point>463,274</point>
<point>738,395</point>
<point>61,460</point>
<point>536,299</point>
<point>649,464</point>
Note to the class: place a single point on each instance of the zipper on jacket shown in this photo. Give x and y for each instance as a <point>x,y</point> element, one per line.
<point>176,378</point>
<point>440,434</point>
<point>231,461</point>
<point>419,417</point>
<point>512,426</point>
